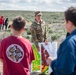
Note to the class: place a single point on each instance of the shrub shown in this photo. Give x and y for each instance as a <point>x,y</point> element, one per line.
<point>55,36</point>
<point>28,32</point>
<point>51,31</point>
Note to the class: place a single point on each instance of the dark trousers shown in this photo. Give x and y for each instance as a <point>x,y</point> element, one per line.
<point>52,73</point>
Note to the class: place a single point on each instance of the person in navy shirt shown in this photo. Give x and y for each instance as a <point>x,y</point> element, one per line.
<point>65,63</point>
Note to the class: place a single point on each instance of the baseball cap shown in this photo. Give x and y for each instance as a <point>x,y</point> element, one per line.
<point>38,13</point>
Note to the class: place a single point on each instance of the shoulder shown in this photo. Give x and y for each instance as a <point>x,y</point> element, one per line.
<point>5,40</point>
<point>42,21</point>
<point>72,40</point>
<point>27,42</point>
<point>33,25</point>
<point>69,42</point>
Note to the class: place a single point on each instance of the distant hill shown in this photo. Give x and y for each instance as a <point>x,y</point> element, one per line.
<point>29,15</point>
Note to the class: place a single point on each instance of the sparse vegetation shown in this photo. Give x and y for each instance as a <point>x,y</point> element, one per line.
<point>55,36</point>
<point>28,32</point>
<point>54,21</point>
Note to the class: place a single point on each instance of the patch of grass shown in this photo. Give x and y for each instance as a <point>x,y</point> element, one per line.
<point>28,32</point>
<point>51,31</point>
<point>55,36</point>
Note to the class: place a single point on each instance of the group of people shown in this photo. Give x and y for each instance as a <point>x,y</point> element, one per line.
<point>16,52</point>
<point>3,23</point>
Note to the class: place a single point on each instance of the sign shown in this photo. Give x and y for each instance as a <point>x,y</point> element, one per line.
<point>40,63</point>
<point>36,64</point>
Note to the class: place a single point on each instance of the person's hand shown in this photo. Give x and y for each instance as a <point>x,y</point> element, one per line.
<point>50,59</point>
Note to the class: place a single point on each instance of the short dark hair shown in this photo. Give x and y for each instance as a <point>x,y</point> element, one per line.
<point>70,14</point>
<point>18,23</point>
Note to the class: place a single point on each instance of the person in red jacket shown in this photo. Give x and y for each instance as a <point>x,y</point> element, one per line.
<point>2,17</point>
<point>1,23</point>
<point>15,51</point>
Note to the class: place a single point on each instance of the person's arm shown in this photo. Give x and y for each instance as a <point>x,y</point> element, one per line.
<point>34,37</point>
<point>44,29</point>
<point>1,58</point>
<point>45,34</point>
<point>45,37</point>
<point>64,64</point>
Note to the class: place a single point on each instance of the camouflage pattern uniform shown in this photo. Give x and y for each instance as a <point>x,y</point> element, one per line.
<point>38,32</point>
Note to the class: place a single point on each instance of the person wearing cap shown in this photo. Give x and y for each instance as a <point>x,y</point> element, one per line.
<point>15,51</point>
<point>38,30</point>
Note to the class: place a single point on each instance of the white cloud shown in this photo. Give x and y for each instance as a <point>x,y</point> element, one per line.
<point>42,5</point>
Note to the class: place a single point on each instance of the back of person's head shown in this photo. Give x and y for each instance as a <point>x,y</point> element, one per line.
<point>18,23</point>
<point>70,15</point>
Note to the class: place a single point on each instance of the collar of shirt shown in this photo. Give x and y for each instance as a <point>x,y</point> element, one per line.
<point>73,32</point>
<point>38,22</point>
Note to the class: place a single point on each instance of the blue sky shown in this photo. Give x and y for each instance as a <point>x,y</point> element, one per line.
<point>33,5</point>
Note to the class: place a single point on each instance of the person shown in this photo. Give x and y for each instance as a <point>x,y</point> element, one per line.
<point>6,23</point>
<point>15,51</point>
<point>2,17</point>
<point>38,30</point>
<point>65,63</point>
<point>1,23</point>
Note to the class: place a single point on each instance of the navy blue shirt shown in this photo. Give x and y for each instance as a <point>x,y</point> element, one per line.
<point>66,57</point>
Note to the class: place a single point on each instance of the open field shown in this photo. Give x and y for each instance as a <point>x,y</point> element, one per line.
<point>54,22</point>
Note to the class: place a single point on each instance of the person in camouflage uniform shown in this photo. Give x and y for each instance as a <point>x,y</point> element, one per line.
<point>38,29</point>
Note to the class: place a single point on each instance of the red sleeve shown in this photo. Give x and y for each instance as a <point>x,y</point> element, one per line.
<point>0,20</point>
<point>1,56</point>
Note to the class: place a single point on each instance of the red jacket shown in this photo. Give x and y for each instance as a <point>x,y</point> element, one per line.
<point>2,21</point>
